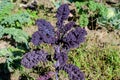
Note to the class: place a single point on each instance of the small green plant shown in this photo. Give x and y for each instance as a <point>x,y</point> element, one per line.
<point>112,19</point>
<point>10,18</point>
<point>13,57</point>
<point>17,34</point>
<point>16,20</point>
<point>83,20</point>
<point>11,22</point>
<point>5,8</point>
<point>88,9</point>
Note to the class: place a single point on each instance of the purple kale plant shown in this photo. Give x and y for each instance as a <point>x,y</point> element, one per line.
<point>65,37</point>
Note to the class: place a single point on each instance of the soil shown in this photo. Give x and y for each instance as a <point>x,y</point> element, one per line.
<point>102,38</point>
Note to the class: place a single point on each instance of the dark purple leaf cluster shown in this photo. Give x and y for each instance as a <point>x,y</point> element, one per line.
<point>37,38</point>
<point>74,72</point>
<point>62,14</point>
<point>31,59</point>
<point>45,27</point>
<point>68,26</point>
<point>44,34</point>
<point>66,36</point>
<point>74,38</point>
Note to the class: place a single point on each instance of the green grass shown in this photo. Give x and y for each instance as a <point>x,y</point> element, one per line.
<point>97,63</point>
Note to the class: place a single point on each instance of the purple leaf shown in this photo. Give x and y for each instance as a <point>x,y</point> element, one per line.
<point>62,14</point>
<point>74,72</point>
<point>68,26</point>
<point>31,59</point>
<point>74,38</point>
<point>37,38</point>
<point>44,34</point>
<point>45,26</point>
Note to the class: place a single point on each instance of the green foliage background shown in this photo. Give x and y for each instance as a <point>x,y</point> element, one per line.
<point>88,9</point>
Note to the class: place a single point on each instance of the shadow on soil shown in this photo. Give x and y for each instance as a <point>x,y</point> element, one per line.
<point>4,72</point>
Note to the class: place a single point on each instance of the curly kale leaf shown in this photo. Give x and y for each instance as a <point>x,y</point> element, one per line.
<point>74,38</point>
<point>44,34</point>
<point>18,35</point>
<point>74,72</point>
<point>31,59</point>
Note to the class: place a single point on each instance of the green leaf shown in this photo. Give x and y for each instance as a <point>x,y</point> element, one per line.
<point>83,20</point>
<point>1,31</point>
<point>102,9</point>
<point>57,3</point>
<point>5,52</point>
<point>92,5</point>
<point>5,8</point>
<point>16,20</point>
<point>18,35</point>
<point>111,19</point>
<point>11,51</point>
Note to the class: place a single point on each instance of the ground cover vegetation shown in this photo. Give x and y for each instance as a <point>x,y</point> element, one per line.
<point>59,40</point>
